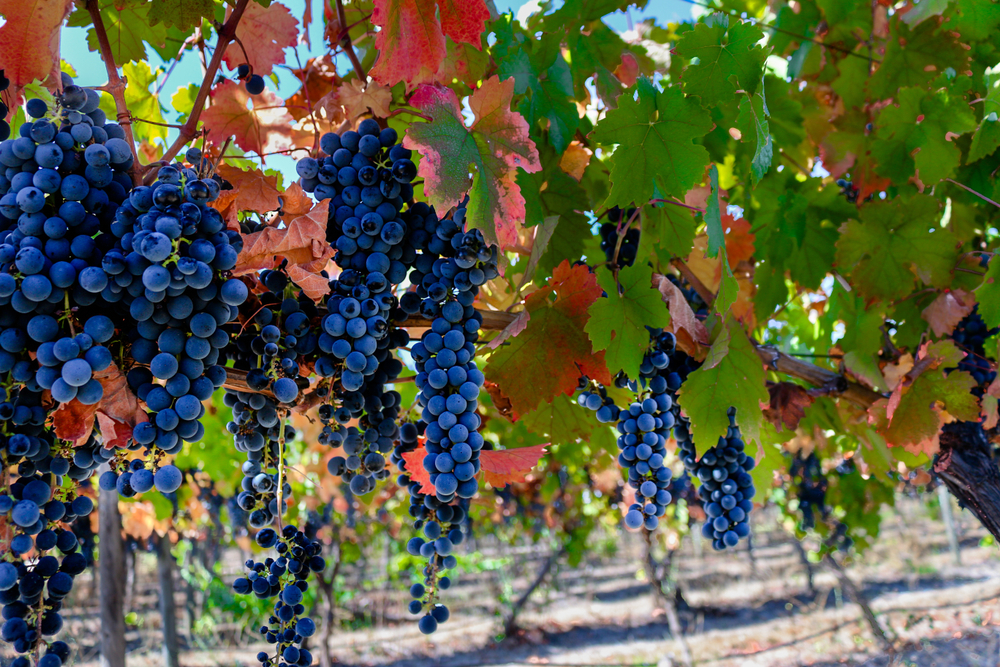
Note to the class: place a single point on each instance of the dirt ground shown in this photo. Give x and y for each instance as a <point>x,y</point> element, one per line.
<point>740,611</point>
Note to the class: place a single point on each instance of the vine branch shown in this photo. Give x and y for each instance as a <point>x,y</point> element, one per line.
<point>116,86</point>
<point>226,35</point>
<point>345,43</point>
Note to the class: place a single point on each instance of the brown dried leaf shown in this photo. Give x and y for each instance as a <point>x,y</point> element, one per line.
<point>302,242</point>
<point>689,330</point>
<point>295,201</point>
<point>500,401</point>
<point>358,100</point>
<point>252,191</point>
<point>788,405</point>
<point>947,310</point>
<point>313,284</point>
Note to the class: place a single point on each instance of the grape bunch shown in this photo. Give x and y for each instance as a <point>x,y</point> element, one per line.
<point>810,487</point>
<point>726,486</point>
<point>971,334</point>
<point>609,238</point>
<point>285,579</point>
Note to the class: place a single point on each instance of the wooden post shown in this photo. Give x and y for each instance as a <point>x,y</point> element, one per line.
<point>944,499</point>
<point>168,605</point>
<point>111,565</point>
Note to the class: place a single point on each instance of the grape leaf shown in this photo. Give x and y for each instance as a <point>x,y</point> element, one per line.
<point>301,242</point>
<point>516,326</point>
<point>128,26</point>
<point>140,102</point>
<point>690,332</point>
<point>654,132</point>
<point>752,123</point>
<point>732,375</point>
<point>265,34</point>
<point>29,39</point>
<point>494,148</point>
<point>988,294</point>
<point>543,76</point>
<point>553,350</point>
<point>910,423</point>
<point>947,310</point>
<point>974,21</point>
<point>713,215</point>
<point>562,420</point>
<point>509,466</point>
<point>891,246</point>
<point>358,99</point>
<point>923,11</point>
<point>788,405</point>
<point>729,58</point>
<point>253,190</point>
<point>618,322</point>
<point>182,14</point>
<point>916,136</point>
<point>263,129</point>
<point>916,57</point>
<point>575,159</point>
<point>667,230</point>
<point>120,408</point>
<point>987,136</point>
<point>411,41</point>
<point>415,468</point>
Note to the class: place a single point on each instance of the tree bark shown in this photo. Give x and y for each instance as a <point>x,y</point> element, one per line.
<point>168,605</point>
<point>510,623</point>
<point>112,587</point>
<point>966,465</point>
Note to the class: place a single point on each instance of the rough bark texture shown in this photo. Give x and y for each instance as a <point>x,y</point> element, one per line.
<point>967,466</point>
<point>112,569</point>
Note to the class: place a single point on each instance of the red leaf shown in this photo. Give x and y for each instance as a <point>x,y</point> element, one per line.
<point>118,411</point>
<point>628,71</point>
<point>263,129</point>
<point>265,33</point>
<point>302,242</point>
<point>411,42</point>
<point>509,466</point>
<point>74,421</point>
<point>29,39</point>
<point>553,350</point>
<point>493,149</point>
<point>415,469</point>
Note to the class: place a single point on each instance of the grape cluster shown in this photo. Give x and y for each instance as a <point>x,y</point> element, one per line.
<point>810,487</point>
<point>971,335</point>
<point>285,579</point>
<point>726,485</point>
<point>609,238</point>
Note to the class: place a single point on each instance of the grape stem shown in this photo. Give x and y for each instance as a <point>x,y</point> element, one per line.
<point>706,294</point>
<point>281,466</point>
<point>345,42</point>
<point>115,86</point>
<point>226,34</point>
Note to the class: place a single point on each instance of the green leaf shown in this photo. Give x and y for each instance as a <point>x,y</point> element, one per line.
<point>654,132</point>
<point>713,216</point>
<point>562,420</point>
<point>181,14</point>
<point>544,76</point>
<point>915,136</point>
<point>128,25</point>
<point>924,10</point>
<point>667,231</point>
<point>731,376</point>
<point>987,136</point>
<point>862,335</point>
<point>618,323</point>
<point>729,59</point>
<point>752,123</point>
<point>141,101</point>
<point>892,245</point>
<point>988,294</point>
<point>915,57</point>
<point>974,21</point>
<point>183,100</point>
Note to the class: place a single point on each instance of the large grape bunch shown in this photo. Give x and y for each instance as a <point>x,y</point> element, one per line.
<point>64,177</point>
<point>971,334</point>
<point>610,231</point>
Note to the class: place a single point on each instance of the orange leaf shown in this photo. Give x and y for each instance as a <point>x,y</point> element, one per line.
<point>415,469</point>
<point>357,99</point>
<point>947,310</point>
<point>575,160</point>
<point>265,33</point>
<point>303,242</point>
<point>263,129</point>
<point>74,421</point>
<point>295,201</point>
<point>628,71</point>
<point>319,78</point>
<point>509,466</point>
<point>252,190</point>
<point>739,239</point>
<point>29,39</point>
<point>689,330</point>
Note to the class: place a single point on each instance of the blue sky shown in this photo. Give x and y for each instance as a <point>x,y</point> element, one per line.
<point>90,70</point>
